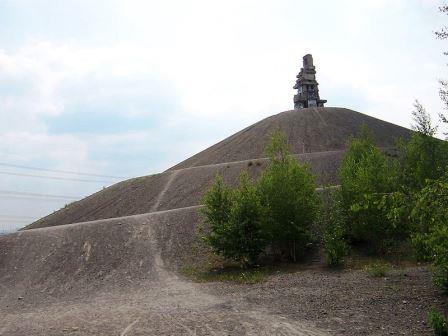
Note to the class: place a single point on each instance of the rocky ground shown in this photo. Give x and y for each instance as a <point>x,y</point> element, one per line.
<point>121,277</point>
<point>348,302</point>
<point>306,302</point>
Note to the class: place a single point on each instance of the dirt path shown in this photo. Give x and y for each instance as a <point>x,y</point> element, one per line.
<point>160,303</point>
<point>307,303</point>
<point>160,197</point>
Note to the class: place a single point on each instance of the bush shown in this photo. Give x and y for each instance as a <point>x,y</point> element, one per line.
<point>278,211</point>
<point>335,246</point>
<point>287,192</point>
<point>247,218</point>
<point>367,178</point>
<point>430,218</point>
<point>334,235</point>
<point>235,219</point>
<point>438,323</point>
<point>422,157</point>
<point>435,244</point>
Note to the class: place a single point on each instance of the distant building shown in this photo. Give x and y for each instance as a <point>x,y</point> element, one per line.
<point>307,86</point>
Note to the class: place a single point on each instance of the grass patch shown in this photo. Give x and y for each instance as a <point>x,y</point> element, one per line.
<point>438,323</point>
<point>235,275</point>
<point>228,272</point>
<point>377,269</point>
<point>398,258</point>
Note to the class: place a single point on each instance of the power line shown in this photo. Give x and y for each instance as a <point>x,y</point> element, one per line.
<point>28,194</point>
<point>56,177</point>
<point>6,221</point>
<point>15,216</point>
<point>32,198</point>
<point>59,171</point>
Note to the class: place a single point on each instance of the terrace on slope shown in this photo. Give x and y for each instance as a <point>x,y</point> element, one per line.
<point>317,136</point>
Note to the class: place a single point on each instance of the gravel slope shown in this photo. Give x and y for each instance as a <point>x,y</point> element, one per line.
<point>174,189</point>
<point>308,130</point>
<point>118,277</point>
<point>317,136</point>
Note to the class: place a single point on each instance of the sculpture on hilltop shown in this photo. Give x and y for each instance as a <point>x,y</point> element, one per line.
<point>307,86</point>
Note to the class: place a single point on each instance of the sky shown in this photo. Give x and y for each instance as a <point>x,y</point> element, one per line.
<point>127,88</point>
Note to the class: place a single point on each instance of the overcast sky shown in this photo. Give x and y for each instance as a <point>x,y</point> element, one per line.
<point>128,88</point>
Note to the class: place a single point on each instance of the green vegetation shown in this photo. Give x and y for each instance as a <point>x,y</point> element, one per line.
<point>236,275</point>
<point>423,157</point>
<point>438,323</point>
<point>367,179</point>
<point>287,192</point>
<point>430,217</point>
<point>334,234</point>
<point>277,211</point>
<point>384,204</point>
<point>378,269</point>
<point>236,221</point>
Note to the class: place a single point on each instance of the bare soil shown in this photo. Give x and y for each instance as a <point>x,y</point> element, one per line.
<point>120,277</point>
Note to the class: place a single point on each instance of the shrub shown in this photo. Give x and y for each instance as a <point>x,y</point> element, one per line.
<point>247,218</point>
<point>367,178</point>
<point>422,157</point>
<point>287,191</point>
<point>378,269</point>
<point>435,244</point>
<point>334,235</point>
<point>430,217</point>
<point>235,221</point>
<point>335,246</point>
<point>438,323</point>
<point>216,211</point>
<point>278,211</point>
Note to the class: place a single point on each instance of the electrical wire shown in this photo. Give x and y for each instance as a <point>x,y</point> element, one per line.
<point>59,171</point>
<point>28,194</point>
<point>56,178</point>
<point>31,198</point>
<point>5,221</point>
<point>15,216</point>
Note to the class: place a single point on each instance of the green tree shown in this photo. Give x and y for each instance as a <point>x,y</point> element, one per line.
<point>367,177</point>
<point>442,34</point>
<point>287,191</point>
<point>430,219</point>
<point>335,230</point>
<point>422,157</point>
<point>218,202</point>
<point>235,221</point>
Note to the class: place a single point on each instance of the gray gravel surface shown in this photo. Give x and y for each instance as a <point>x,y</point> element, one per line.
<point>120,277</point>
<point>317,136</point>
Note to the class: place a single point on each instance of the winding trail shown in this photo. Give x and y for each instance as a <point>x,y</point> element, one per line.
<point>140,293</point>
<point>167,186</point>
